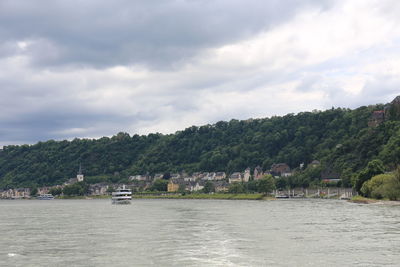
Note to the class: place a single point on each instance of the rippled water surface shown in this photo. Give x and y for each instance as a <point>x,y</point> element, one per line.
<point>198,233</point>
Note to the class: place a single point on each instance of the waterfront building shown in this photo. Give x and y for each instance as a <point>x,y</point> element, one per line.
<point>280,169</point>
<point>246,176</point>
<point>258,173</point>
<point>219,176</point>
<point>235,177</point>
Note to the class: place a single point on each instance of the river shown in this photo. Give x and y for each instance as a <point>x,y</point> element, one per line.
<point>198,233</point>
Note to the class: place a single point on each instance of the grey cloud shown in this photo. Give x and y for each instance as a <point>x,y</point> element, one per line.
<point>54,98</point>
<point>154,33</point>
<point>50,123</point>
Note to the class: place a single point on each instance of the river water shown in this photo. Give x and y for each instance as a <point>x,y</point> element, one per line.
<point>198,233</point>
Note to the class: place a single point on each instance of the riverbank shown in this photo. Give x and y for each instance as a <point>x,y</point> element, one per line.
<point>201,196</point>
<point>364,200</point>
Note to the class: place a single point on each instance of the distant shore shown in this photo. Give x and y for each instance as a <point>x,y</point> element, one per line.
<point>202,196</point>
<point>364,200</point>
<point>225,196</point>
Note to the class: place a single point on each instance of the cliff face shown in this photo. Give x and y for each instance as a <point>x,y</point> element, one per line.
<point>394,109</point>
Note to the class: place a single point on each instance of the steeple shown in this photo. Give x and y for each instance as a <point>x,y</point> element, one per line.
<point>80,168</point>
<point>79,176</point>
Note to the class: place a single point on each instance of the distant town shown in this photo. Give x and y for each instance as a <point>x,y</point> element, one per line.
<point>177,182</point>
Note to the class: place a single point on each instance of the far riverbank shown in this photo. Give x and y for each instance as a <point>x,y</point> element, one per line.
<point>364,200</point>
<point>225,196</point>
<point>202,196</point>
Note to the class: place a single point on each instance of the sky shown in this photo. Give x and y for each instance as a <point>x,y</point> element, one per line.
<point>94,68</point>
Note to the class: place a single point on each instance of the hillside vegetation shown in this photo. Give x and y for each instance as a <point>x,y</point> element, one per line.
<point>339,138</point>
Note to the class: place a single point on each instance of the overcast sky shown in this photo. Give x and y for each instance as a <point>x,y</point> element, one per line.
<point>94,68</point>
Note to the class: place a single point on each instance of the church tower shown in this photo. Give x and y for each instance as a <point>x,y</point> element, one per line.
<point>79,176</point>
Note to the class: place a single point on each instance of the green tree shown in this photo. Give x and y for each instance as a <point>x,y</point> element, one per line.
<point>281,183</point>
<point>160,185</point>
<point>209,187</point>
<point>373,168</point>
<point>110,189</point>
<point>55,191</point>
<point>182,188</point>
<point>34,191</point>
<point>77,189</point>
<point>266,184</point>
<point>236,188</point>
<point>383,186</point>
<point>252,186</point>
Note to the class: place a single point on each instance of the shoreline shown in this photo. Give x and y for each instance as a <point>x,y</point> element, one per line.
<point>223,196</point>
<point>202,196</point>
<point>364,200</point>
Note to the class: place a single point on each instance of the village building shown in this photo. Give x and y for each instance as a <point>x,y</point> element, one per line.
<point>191,186</point>
<point>202,175</point>
<point>196,175</point>
<point>9,193</point>
<point>221,186</point>
<point>43,190</point>
<point>280,169</point>
<point>286,174</point>
<point>235,177</point>
<point>158,176</point>
<point>208,176</point>
<point>99,189</point>
<point>220,176</point>
<point>190,179</point>
<point>246,175</point>
<point>173,186</point>
<point>195,186</point>
<point>330,176</point>
<point>258,173</point>
<point>15,193</point>
<point>175,176</point>
<point>139,177</point>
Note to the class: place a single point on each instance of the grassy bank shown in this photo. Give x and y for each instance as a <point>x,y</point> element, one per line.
<point>202,196</point>
<point>362,200</point>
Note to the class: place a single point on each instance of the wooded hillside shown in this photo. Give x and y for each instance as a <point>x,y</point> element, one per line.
<point>339,138</point>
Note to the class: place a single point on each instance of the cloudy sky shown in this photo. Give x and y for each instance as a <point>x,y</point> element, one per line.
<point>93,68</point>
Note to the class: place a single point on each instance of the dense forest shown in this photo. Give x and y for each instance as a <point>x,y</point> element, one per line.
<point>339,138</point>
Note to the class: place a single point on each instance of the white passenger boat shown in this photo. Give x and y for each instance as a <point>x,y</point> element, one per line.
<point>122,196</point>
<point>45,197</point>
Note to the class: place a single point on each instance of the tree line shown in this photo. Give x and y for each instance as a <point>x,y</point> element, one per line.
<point>339,138</point>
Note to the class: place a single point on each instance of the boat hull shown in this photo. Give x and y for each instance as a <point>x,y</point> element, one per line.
<point>45,197</point>
<point>121,201</point>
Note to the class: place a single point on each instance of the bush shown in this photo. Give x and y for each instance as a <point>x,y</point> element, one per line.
<point>383,186</point>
